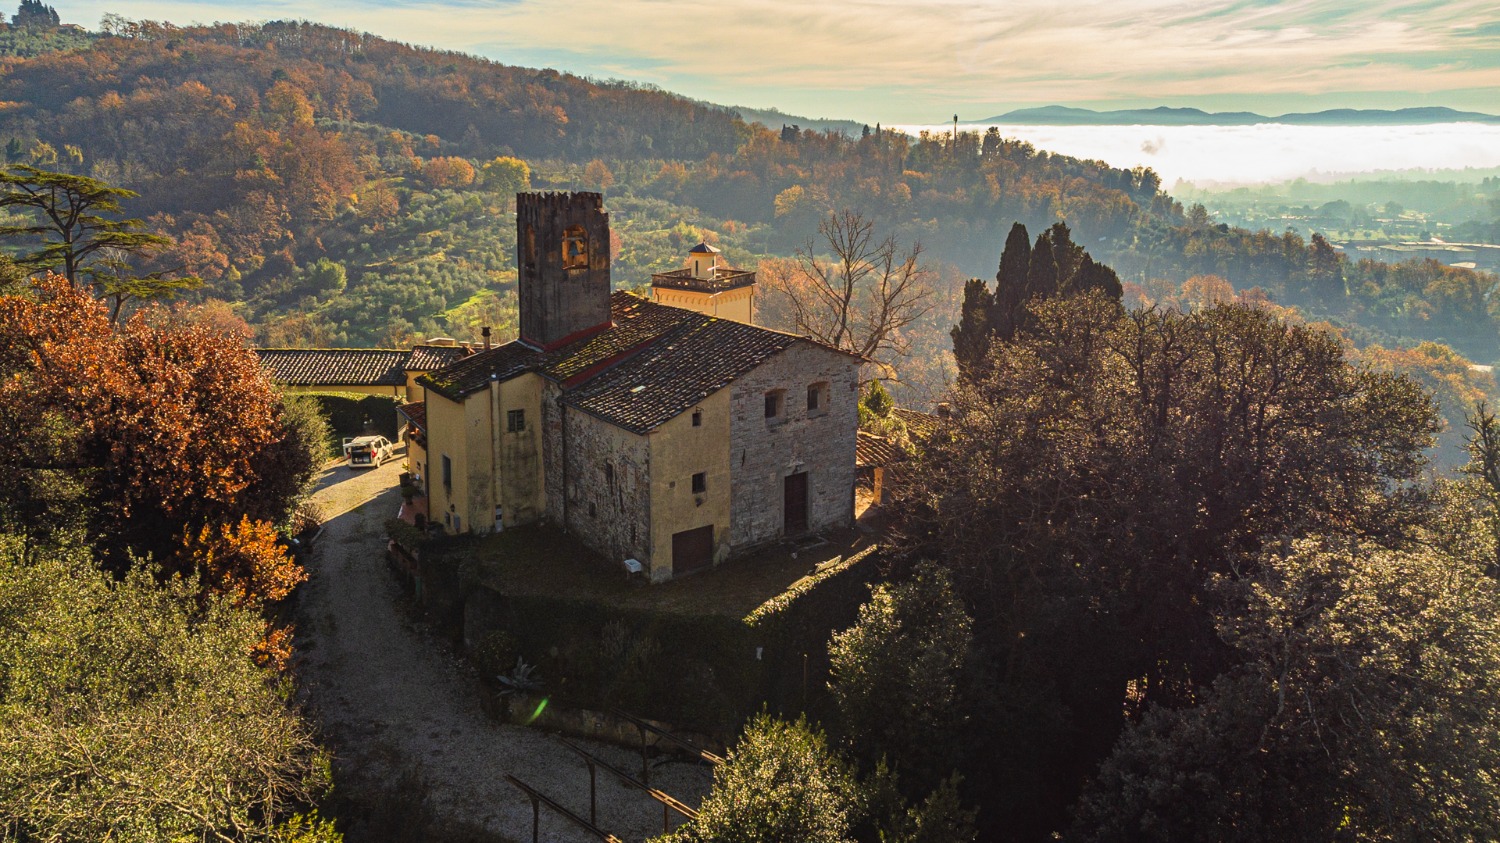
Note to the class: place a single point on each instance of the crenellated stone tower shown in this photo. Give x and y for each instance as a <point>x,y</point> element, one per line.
<point>563,245</point>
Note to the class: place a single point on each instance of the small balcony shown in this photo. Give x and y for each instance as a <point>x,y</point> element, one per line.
<point>721,279</point>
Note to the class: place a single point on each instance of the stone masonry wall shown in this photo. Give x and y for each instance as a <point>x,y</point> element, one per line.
<point>608,488</point>
<point>763,452</point>
<point>552,451</point>
<point>557,301</point>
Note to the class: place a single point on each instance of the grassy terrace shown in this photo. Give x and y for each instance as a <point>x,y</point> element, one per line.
<point>544,561</point>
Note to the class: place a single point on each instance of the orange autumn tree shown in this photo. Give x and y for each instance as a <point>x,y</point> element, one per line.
<point>169,430</point>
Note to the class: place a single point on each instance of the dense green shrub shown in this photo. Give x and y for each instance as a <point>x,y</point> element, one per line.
<point>697,671</point>
<point>125,700</point>
<point>355,414</point>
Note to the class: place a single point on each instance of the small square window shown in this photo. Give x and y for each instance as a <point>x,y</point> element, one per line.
<point>817,399</point>
<point>515,421</point>
<point>700,483</point>
<point>697,418</point>
<point>775,403</point>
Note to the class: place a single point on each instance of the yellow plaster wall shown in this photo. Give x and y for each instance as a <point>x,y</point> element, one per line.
<point>416,459</point>
<point>736,304</point>
<point>519,454</point>
<point>678,451</point>
<point>478,504</point>
<point>447,435</point>
<point>491,465</point>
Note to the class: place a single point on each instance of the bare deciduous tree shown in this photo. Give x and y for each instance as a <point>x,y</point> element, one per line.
<point>859,297</point>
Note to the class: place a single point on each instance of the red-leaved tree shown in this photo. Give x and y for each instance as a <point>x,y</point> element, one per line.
<point>165,435</point>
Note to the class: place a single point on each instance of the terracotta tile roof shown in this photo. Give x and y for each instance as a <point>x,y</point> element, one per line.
<point>919,425</point>
<point>354,366</point>
<point>696,360</point>
<point>415,412</point>
<point>871,451</point>
<point>651,364</point>
<point>334,366</point>
<point>426,358</point>
<point>474,372</point>
<point>636,323</point>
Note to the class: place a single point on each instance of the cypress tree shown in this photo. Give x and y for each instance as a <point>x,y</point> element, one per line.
<point>971,336</point>
<point>1041,276</point>
<point>1092,275</point>
<point>1010,282</point>
<point>1065,253</point>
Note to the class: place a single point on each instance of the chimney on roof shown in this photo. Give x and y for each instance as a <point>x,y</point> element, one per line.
<point>485,332</point>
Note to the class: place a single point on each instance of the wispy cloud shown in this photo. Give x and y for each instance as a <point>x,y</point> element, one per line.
<point>891,58</point>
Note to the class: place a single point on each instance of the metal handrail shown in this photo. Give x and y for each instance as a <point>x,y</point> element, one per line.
<point>666,799</point>
<point>538,799</point>
<point>645,726</point>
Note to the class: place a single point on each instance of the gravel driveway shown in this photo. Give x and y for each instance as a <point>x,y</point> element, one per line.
<point>401,710</point>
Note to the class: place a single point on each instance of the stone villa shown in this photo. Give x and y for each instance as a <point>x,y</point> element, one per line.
<point>671,432</point>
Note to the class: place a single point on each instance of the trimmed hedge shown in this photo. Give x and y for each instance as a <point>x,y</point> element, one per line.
<point>800,621</point>
<point>346,413</point>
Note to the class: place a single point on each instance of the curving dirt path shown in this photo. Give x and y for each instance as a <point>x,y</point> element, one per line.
<point>402,714</point>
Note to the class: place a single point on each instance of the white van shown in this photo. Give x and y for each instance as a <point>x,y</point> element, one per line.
<point>368,451</point>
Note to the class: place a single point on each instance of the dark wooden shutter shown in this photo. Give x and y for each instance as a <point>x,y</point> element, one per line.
<point>692,550</point>
<point>794,501</point>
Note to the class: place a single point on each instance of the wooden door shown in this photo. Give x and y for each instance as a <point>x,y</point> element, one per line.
<point>692,550</point>
<point>794,504</point>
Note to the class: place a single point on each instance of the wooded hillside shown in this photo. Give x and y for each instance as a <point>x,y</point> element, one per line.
<point>341,189</point>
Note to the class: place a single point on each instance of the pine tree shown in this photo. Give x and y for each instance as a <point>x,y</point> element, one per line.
<point>1092,275</point>
<point>1325,273</point>
<point>1065,253</point>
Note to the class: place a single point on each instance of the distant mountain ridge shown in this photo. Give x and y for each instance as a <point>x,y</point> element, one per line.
<point>1060,115</point>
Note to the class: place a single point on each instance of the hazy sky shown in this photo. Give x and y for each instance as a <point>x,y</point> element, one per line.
<point>924,60</point>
